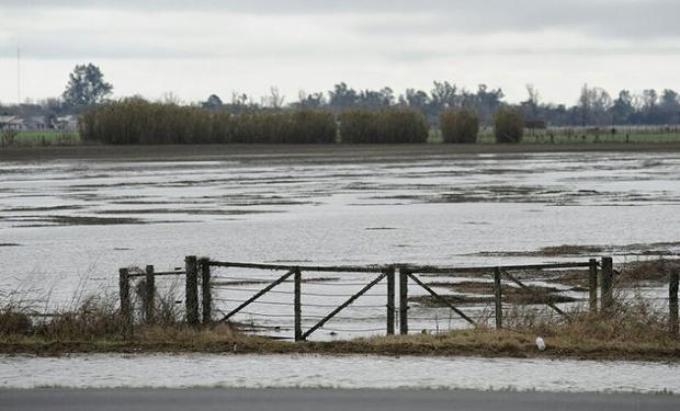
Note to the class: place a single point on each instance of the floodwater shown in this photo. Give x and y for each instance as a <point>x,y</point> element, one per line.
<point>350,372</point>
<point>67,226</point>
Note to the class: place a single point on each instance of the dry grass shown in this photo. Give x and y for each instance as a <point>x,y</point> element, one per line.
<point>634,329</point>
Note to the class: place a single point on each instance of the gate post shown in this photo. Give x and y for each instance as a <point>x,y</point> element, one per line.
<point>206,290</point>
<point>498,295</point>
<point>592,285</point>
<point>390,301</point>
<point>607,296</point>
<point>297,280</point>
<point>149,294</point>
<point>191,290</point>
<point>125,306</point>
<point>673,300</point>
<point>403,301</point>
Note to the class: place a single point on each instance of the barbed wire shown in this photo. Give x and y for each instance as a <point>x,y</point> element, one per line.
<point>312,317</point>
<point>353,330</point>
<point>290,304</point>
<point>303,293</point>
<point>248,281</point>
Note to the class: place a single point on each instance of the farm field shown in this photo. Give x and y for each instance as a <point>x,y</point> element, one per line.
<point>46,138</point>
<point>551,136</point>
<point>583,135</point>
<point>311,206</point>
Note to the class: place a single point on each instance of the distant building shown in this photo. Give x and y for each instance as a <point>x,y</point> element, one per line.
<point>36,123</point>
<point>66,123</point>
<point>11,123</point>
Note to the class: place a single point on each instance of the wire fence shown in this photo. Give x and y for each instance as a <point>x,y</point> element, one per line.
<point>345,301</point>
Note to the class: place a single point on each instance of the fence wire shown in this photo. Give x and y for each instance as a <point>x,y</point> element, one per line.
<point>526,292</point>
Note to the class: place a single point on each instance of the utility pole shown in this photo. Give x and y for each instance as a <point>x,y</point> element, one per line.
<point>18,76</point>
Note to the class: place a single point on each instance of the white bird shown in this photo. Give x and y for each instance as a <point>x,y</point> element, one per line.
<point>540,344</point>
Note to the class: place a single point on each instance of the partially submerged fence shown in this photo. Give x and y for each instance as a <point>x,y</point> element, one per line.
<point>201,284</point>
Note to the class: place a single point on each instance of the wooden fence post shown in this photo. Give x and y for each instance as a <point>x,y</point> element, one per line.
<point>498,295</point>
<point>191,290</point>
<point>206,291</point>
<point>297,282</point>
<point>592,285</point>
<point>149,294</point>
<point>403,301</point>
<point>673,301</point>
<point>125,306</point>
<point>390,301</point>
<point>607,293</point>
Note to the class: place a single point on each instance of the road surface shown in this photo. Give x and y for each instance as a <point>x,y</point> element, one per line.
<point>322,399</point>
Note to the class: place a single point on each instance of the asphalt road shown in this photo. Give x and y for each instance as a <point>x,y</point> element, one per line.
<point>322,399</point>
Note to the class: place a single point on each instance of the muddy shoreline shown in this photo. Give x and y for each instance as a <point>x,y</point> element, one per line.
<point>337,153</point>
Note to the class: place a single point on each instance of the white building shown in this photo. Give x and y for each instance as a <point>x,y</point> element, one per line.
<point>66,123</point>
<point>11,123</point>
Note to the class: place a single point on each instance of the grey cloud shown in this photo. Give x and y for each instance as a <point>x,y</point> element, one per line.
<point>637,22</point>
<point>616,18</point>
<point>610,19</point>
<point>419,56</point>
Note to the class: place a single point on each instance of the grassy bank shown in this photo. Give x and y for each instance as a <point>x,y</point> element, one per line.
<point>633,330</point>
<point>479,342</point>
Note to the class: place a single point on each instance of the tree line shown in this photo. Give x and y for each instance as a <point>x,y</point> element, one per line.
<point>137,121</point>
<point>595,106</point>
<point>86,87</point>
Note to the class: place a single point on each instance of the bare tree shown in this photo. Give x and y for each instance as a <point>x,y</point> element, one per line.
<point>170,97</point>
<point>275,99</point>
<point>594,105</point>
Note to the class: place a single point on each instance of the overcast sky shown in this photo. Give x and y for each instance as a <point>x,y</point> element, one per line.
<point>195,48</point>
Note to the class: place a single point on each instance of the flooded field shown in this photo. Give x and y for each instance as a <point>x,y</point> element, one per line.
<point>349,372</point>
<point>68,225</point>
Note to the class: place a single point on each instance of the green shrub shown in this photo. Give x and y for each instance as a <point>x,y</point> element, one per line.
<point>394,126</point>
<point>358,126</point>
<point>136,121</point>
<point>459,126</point>
<point>509,125</point>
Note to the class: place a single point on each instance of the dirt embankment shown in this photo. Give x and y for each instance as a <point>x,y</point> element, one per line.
<point>334,153</point>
